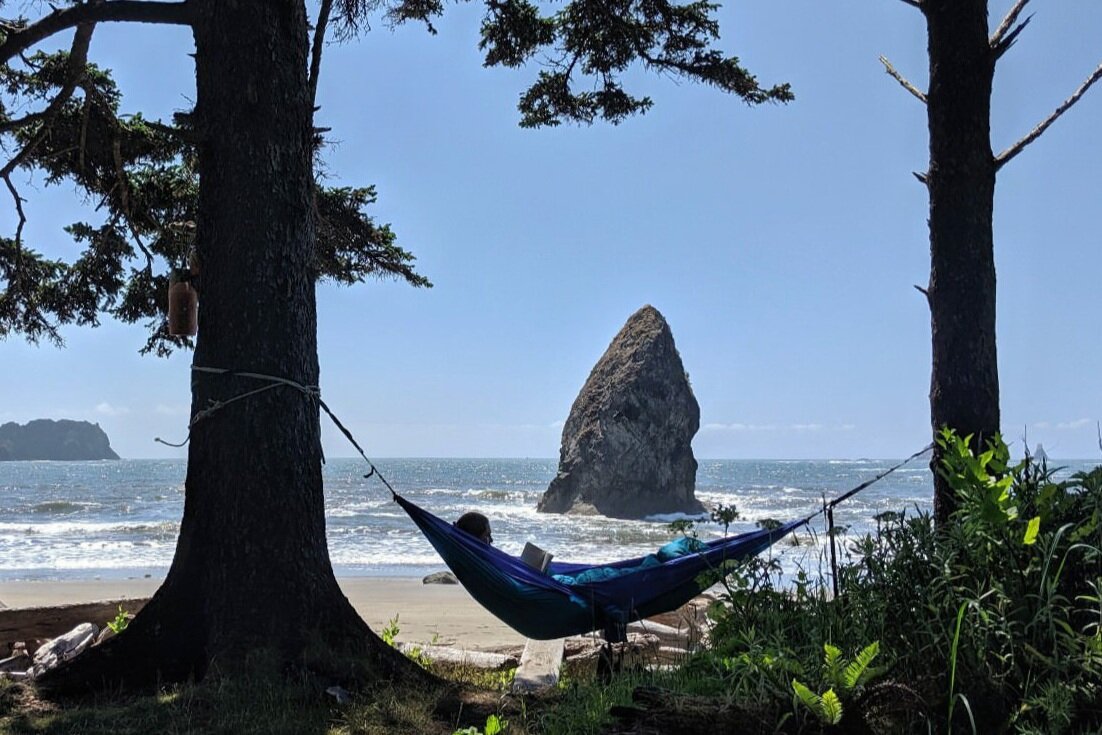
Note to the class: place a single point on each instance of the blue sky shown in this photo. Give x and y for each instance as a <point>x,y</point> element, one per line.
<point>780,242</point>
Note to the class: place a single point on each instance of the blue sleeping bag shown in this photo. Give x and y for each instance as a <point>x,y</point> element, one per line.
<point>674,549</point>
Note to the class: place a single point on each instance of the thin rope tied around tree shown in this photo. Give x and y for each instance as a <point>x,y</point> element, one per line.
<point>312,392</point>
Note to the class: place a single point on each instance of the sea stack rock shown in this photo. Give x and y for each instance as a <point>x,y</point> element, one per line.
<point>59,440</point>
<point>626,446</point>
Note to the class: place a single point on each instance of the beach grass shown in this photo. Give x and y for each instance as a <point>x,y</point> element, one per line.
<point>247,707</point>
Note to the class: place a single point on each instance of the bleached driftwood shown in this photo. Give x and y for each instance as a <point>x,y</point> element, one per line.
<point>639,648</point>
<point>539,666</point>
<point>460,657</point>
<point>53,653</point>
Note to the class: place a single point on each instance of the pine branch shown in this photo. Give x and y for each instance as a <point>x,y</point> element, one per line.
<point>1007,22</point>
<point>315,50</point>
<point>78,58</point>
<point>1009,153</point>
<point>174,130</point>
<point>18,210</point>
<point>121,181</point>
<point>891,70</point>
<point>1004,45</point>
<point>136,11</point>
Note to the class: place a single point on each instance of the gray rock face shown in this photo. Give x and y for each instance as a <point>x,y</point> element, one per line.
<point>440,578</point>
<point>626,446</point>
<point>46,439</point>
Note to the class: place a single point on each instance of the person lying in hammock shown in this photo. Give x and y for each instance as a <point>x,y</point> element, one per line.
<point>477,525</point>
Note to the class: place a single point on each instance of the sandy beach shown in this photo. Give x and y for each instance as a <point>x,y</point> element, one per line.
<point>439,613</point>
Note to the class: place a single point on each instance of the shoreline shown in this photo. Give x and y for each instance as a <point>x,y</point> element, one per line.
<point>444,614</point>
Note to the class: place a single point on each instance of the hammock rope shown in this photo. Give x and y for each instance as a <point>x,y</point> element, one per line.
<point>312,392</point>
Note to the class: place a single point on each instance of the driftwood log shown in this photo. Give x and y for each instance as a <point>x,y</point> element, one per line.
<point>32,624</point>
<point>59,650</point>
<point>460,657</point>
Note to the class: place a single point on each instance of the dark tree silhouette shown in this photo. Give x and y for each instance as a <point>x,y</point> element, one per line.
<point>234,180</point>
<point>963,52</point>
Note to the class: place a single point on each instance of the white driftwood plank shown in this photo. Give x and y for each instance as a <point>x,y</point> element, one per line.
<point>539,665</point>
<point>458,656</point>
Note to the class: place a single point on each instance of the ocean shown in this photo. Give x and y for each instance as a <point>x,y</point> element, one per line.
<point>119,519</point>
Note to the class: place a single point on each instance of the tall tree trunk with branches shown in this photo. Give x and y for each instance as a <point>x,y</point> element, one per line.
<point>252,539</point>
<point>964,385</point>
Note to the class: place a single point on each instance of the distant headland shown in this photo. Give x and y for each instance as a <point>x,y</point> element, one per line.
<point>60,440</point>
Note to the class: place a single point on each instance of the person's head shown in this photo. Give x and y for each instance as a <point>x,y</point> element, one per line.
<point>477,525</point>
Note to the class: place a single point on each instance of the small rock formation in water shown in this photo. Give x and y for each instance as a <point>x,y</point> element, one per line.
<point>62,440</point>
<point>626,446</point>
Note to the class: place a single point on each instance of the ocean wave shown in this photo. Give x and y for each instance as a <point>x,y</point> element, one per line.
<point>495,494</point>
<point>82,563</point>
<point>671,517</point>
<point>59,507</point>
<point>67,528</point>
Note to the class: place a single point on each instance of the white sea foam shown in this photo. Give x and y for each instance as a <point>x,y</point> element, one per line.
<point>125,515</point>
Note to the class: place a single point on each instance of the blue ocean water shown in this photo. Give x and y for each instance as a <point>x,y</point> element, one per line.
<point>83,520</point>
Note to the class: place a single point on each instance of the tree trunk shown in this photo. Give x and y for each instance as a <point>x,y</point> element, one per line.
<point>251,582</point>
<point>964,385</point>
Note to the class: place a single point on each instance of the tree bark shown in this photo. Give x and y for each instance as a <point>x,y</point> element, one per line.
<point>964,385</point>
<point>251,583</point>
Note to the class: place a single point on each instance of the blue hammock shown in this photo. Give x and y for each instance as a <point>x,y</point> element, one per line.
<point>537,605</point>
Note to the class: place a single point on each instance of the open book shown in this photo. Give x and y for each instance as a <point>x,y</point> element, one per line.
<point>536,557</point>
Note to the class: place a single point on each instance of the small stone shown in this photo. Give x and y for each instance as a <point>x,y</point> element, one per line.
<point>440,578</point>
<point>340,694</point>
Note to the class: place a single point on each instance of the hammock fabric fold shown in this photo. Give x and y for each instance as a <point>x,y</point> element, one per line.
<point>538,606</point>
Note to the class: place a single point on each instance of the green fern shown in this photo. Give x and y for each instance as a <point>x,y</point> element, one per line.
<point>810,699</point>
<point>827,708</point>
<point>832,708</point>
<point>494,726</point>
<point>842,678</point>
<point>832,664</point>
<point>858,671</point>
